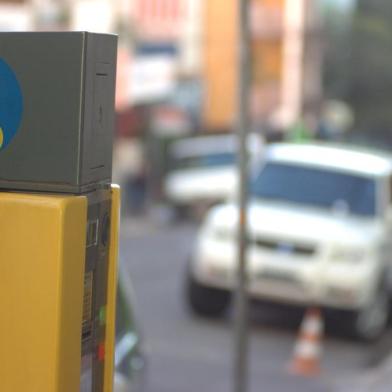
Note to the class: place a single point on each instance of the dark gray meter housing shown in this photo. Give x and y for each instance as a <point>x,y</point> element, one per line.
<point>65,138</point>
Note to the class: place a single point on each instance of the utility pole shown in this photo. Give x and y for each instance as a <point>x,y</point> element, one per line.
<point>241,296</point>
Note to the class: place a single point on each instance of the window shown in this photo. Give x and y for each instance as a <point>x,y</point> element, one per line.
<point>316,187</point>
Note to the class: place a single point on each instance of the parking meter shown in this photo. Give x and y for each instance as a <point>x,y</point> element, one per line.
<point>59,212</point>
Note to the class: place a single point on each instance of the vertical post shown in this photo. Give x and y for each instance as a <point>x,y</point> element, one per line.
<point>241,298</point>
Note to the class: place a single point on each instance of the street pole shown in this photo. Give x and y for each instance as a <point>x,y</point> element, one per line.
<point>241,297</point>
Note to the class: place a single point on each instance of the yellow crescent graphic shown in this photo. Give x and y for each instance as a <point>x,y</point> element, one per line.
<point>1,137</point>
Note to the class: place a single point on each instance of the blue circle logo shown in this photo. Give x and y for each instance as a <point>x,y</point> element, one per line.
<point>11,104</point>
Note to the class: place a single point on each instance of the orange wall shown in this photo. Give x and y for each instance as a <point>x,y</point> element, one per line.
<point>220,54</point>
<point>220,60</point>
<point>273,3</point>
<point>267,52</point>
<point>267,61</point>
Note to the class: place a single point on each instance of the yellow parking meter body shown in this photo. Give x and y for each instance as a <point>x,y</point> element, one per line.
<point>44,296</point>
<point>59,213</point>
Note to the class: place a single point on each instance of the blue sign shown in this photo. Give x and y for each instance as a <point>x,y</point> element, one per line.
<point>11,104</point>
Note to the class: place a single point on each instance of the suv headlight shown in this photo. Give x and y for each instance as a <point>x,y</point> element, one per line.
<point>348,254</point>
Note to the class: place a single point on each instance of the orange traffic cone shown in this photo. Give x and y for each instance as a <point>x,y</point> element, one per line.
<point>307,351</point>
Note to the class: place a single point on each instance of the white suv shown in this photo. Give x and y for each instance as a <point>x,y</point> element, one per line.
<point>319,232</point>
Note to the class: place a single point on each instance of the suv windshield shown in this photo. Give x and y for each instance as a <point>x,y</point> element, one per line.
<point>316,187</point>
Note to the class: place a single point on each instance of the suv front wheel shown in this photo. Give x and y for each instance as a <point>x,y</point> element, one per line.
<point>204,300</point>
<point>370,322</point>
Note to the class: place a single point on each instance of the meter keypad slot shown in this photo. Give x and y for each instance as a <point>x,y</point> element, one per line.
<point>95,294</point>
<point>92,233</point>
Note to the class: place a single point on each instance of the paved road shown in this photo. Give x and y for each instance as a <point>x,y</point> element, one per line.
<point>190,354</point>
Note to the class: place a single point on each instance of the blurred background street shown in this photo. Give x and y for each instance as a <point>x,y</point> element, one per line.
<point>320,176</point>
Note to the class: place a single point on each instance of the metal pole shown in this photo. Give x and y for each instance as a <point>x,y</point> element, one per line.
<point>241,298</point>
